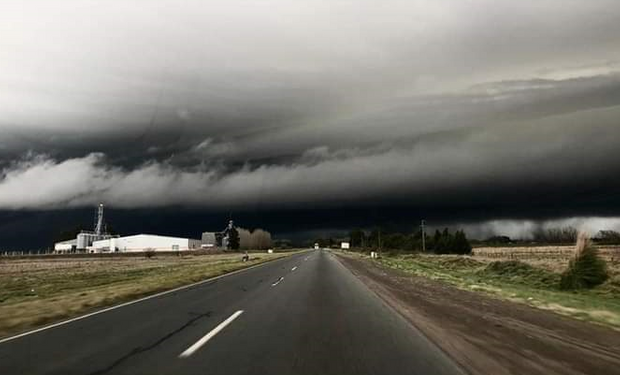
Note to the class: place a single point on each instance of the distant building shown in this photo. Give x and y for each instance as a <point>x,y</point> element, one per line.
<point>68,246</point>
<point>143,242</point>
<point>218,240</point>
<point>209,240</point>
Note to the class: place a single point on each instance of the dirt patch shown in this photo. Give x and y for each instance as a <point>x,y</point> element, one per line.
<point>486,335</point>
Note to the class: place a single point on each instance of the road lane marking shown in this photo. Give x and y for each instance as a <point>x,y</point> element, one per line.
<point>294,268</point>
<point>278,282</point>
<point>61,323</point>
<point>192,349</point>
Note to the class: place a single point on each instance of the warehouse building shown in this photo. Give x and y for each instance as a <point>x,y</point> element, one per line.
<point>64,247</point>
<point>143,242</point>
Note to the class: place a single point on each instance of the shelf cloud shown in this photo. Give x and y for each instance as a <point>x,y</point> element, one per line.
<point>505,108</point>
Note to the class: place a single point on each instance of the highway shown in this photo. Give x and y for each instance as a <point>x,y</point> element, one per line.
<point>305,314</point>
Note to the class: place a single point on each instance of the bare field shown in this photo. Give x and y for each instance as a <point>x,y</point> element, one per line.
<point>562,253</point>
<point>552,258</point>
<point>34,292</point>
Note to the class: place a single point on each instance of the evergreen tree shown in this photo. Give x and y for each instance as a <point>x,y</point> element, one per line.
<point>356,237</point>
<point>460,243</point>
<point>436,240</point>
<point>233,239</point>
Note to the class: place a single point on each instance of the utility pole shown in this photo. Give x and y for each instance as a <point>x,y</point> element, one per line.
<point>423,227</point>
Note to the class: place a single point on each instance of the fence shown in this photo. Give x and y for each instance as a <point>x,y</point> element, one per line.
<point>609,253</point>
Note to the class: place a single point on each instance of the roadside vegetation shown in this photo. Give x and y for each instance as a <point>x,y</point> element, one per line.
<point>586,270</point>
<point>583,285</point>
<point>34,292</point>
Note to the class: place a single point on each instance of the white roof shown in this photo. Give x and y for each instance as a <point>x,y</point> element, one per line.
<point>142,235</point>
<point>67,242</point>
<point>154,235</point>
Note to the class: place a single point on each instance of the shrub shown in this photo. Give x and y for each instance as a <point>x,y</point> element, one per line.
<point>586,269</point>
<point>149,253</point>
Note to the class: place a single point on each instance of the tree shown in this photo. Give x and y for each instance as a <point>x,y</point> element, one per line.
<point>376,238</point>
<point>608,237</point>
<point>460,244</point>
<point>435,241</point>
<point>245,239</point>
<point>356,237</point>
<point>556,235</point>
<point>260,239</point>
<point>447,243</point>
<point>498,240</point>
<point>233,239</point>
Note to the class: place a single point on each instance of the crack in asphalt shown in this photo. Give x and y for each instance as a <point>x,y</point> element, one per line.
<point>141,349</point>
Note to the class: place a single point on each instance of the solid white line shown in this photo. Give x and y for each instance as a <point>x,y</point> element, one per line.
<point>277,282</point>
<point>294,268</point>
<point>135,301</point>
<point>209,335</point>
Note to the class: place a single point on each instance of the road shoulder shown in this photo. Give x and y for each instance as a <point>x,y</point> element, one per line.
<point>486,335</point>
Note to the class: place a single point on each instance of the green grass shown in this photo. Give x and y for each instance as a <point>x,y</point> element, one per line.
<point>40,291</point>
<point>519,282</point>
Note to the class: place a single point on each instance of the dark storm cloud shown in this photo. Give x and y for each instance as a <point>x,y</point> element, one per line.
<point>444,106</point>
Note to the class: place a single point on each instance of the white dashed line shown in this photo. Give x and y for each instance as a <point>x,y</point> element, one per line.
<point>294,268</point>
<point>209,335</point>
<point>277,282</point>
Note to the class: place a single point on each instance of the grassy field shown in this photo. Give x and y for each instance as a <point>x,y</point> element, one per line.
<point>533,282</point>
<point>39,291</point>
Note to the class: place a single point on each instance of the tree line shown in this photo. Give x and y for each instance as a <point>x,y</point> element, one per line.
<point>244,239</point>
<point>552,236</point>
<point>440,242</point>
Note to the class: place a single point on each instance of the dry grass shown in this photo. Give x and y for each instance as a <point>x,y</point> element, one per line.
<point>545,253</point>
<point>532,279</point>
<point>39,291</point>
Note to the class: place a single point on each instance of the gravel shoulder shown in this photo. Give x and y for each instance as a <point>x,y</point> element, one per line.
<point>487,335</point>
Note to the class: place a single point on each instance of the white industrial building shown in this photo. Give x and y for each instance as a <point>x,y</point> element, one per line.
<point>65,246</point>
<point>142,242</point>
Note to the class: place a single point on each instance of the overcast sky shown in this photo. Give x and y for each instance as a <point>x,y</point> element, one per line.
<point>459,109</point>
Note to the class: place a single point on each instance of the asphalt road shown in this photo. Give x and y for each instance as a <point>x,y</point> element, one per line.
<point>305,314</point>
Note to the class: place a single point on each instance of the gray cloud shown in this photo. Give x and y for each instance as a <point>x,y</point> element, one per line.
<point>525,229</point>
<point>500,158</point>
<point>307,103</point>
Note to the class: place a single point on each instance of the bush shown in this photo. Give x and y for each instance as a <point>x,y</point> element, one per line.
<point>586,270</point>
<point>149,253</point>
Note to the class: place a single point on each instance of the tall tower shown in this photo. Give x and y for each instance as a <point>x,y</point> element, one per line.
<point>99,220</point>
